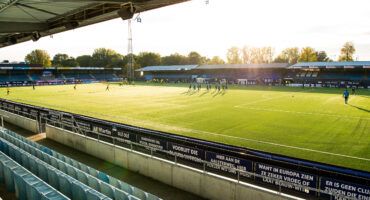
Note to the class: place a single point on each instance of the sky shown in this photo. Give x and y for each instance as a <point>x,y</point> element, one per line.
<point>212,28</point>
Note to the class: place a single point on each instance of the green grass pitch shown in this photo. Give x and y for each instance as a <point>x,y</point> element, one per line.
<point>312,124</point>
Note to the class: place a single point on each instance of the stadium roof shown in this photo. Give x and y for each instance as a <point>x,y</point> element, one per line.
<point>332,65</point>
<point>167,68</point>
<point>23,20</point>
<point>244,66</point>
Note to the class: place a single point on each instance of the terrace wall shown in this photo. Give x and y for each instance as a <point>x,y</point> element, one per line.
<point>24,122</point>
<point>196,181</point>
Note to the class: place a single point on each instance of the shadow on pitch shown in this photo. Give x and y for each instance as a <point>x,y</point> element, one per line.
<point>206,92</point>
<point>362,109</point>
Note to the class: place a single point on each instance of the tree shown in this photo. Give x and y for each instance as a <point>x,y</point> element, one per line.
<point>59,58</point>
<point>84,61</point>
<point>174,59</point>
<point>288,55</point>
<point>38,56</point>
<point>63,60</point>
<point>103,57</point>
<point>194,58</point>
<point>125,62</point>
<point>247,55</point>
<point>233,56</point>
<point>256,55</point>
<point>216,60</point>
<point>117,60</point>
<point>322,56</point>
<point>70,62</point>
<point>347,51</point>
<point>148,59</point>
<point>308,54</point>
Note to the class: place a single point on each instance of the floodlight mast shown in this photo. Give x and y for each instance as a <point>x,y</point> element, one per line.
<point>126,12</point>
<point>130,70</point>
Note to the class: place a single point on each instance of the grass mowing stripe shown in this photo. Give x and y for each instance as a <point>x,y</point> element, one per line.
<point>310,123</point>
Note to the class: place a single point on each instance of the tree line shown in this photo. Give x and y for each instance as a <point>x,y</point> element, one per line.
<point>109,58</point>
<point>255,55</point>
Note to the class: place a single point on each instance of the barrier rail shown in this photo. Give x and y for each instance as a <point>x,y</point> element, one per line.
<point>210,157</point>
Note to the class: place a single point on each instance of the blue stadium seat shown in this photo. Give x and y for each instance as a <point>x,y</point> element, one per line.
<point>53,178</point>
<point>114,182</point>
<point>79,191</point>
<point>152,197</point>
<point>33,166</point>
<point>107,189</point>
<point>139,193</point>
<point>126,187</point>
<point>54,162</point>
<point>25,161</point>
<point>71,171</point>
<point>77,172</point>
<point>65,185</point>
<point>62,167</point>
<point>133,198</point>
<point>25,184</point>
<point>42,172</point>
<point>94,195</point>
<point>37,190</point>
<point>53,195</point>
<point>119,194</point>
<point>20,184</point>
<point>84,168</point>
<point>9,167</point>
<point>103,177</point>
<point>93,183</point>
<point>93,172</point>
<point>82,178</point>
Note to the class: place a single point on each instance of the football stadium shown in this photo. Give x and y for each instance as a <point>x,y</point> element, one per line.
<point>266,130</point>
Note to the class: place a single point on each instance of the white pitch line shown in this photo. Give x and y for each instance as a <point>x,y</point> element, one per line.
<point>306,113</point>
<point>286,146</point>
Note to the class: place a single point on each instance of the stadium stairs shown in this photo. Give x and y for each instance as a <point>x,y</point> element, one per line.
<point>52,175</point>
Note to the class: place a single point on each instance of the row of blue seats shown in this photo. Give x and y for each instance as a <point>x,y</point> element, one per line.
<point>26,185</point>
<point>80,168</point>
<point>36,77</point>
<point>342,76</point>
<point>77,76</point>
<point>57,179</point>
<point>91,171</point>
<point>18,77</point>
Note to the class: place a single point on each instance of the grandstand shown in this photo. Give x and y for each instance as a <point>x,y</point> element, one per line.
<point>33,171</point>
<point>316,74</point>
<point>333,74</point>
<point>25,74</point>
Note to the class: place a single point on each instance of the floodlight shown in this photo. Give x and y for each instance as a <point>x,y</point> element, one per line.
<point>126,12</point>
<point>35,36</point>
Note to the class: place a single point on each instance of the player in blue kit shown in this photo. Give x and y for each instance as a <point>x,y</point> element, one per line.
<point>346,96</point>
